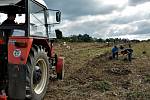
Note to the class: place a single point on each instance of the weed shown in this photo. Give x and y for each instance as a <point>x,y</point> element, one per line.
<point>138,95</point>
<point>102,86</point>
<point>147,79</point>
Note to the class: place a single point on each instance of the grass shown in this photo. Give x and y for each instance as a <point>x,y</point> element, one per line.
<point>79,54</point>
<point>138,95</point>
<point>140,48</point>
<point>102,86</point>
<point>147,79</point>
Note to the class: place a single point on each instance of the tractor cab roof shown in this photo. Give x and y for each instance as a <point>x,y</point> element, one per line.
<point>12,6</point>
<point>14,2</point>
<point>42,2</point>
<point>8,2</point>
<point>16,6</point>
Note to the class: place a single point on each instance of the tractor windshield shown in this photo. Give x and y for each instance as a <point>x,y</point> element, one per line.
<point>12,17</point>
<point>37,20</point>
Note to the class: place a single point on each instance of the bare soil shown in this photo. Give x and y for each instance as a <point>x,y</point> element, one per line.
<point>91,75</point>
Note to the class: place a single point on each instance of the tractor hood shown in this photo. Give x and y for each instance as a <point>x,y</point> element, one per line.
<point>8,2</point>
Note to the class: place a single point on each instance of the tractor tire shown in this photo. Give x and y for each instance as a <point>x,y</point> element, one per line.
<point>37,73</point>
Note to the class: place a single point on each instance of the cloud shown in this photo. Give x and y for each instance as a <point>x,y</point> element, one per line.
<point>136,2</point>
<point>104,18</point>
<point>71,9</point>
<point>142,27</point>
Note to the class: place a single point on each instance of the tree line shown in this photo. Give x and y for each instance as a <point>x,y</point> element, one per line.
<point>88,38</point>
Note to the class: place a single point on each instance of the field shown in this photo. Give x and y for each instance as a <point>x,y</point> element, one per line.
<point>90,75</point>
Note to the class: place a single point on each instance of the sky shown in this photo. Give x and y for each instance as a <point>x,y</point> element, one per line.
<point>104,18</point>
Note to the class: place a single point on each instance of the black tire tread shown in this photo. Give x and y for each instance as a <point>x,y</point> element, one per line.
<point>35,50</point>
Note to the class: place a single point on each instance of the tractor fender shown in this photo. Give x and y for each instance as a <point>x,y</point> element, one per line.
<point>18,49</point>
<point>60,64</point>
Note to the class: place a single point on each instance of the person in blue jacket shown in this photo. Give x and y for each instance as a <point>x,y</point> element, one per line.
<point>115,52</point>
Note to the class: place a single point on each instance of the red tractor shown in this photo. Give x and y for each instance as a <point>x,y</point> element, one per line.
<point>27,59</point>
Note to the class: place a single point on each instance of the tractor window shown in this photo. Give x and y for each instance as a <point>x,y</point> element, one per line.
<point>12,17</point>
<point>12,7</point>
<point>20,18</point>
<point>13,29</point>
<point>37,20</point>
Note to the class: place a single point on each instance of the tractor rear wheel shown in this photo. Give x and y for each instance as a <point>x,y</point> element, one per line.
<point>37,73</point>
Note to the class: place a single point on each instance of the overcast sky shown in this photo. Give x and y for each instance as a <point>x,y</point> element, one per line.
<point>104,18</point>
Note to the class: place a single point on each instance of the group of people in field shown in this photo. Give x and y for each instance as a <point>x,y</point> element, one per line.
<point>122,51</point>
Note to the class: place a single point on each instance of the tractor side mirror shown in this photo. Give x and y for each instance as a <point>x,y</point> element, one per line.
<point>53,16</point>
<point>58,16</point>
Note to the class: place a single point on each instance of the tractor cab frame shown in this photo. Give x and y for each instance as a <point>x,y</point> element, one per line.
<point>26,49</point>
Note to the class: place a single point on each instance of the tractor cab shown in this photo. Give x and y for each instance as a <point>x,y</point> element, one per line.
<point>33,18</point>
<point>26,48</point>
